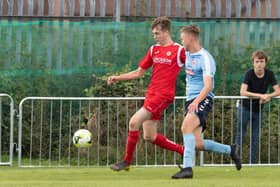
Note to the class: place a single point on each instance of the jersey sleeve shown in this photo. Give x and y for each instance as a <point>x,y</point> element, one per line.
<point>182,57</point>
<point>246,79</point>
<point>147,61</point>
<point>273,80</point>
<point>208,66</point>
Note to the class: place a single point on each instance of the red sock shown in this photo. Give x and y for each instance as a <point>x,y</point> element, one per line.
<point>132,140</point>
<point>165,143</point>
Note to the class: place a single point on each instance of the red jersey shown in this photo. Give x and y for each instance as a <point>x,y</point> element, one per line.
<point>166,62</point>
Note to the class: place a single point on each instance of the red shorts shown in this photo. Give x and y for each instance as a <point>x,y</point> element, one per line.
<point>156,104</point>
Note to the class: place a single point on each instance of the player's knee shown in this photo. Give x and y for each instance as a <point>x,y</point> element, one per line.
<point>133,124</point>
<point>148,137</point>
<point>185,129</point>
<point>199,144</point>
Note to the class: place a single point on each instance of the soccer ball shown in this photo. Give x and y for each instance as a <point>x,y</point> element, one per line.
<point>82,138</point>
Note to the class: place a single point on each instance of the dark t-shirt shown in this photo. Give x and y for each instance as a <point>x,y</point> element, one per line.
<point>257,85</point>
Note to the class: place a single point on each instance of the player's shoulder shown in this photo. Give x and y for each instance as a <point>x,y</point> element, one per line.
<point>204,52</point>
<point>250,73</point>
<point>269,72</point>
<point>177,44</point>
<point>206,55</point>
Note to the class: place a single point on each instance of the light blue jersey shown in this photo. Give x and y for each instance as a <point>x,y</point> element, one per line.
<point>198,65</point>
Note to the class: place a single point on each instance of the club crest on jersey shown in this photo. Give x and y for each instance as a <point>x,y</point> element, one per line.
<point>193,62</point>
<point>168,53</point>
<point>189,71</point>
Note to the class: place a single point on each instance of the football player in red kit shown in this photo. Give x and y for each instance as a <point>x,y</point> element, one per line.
<point>166,59</point>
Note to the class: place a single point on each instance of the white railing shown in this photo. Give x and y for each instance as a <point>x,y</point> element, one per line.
<point>6,129</point>
<point>46,125</point>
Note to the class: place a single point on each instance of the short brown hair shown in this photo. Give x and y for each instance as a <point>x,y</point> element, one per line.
<point>260,55</point>
<point>163,21</point>
<point>192,29</point>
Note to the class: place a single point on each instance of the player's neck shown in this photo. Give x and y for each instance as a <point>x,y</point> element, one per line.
<point>195,48</point>
<point>259,73</point>
<point>167,42</point>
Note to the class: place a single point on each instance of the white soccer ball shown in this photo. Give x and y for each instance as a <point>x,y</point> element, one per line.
<point>82,138</point>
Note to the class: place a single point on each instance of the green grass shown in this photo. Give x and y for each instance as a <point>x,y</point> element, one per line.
<point>138,177</point>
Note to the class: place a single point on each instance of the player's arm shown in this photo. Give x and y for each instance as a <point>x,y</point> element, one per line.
<point>244,91</point>
<point>267,97</point>
<point>207,80</point>
<point>126,76</point>
<point>263,97</point>
<point>276,91</point>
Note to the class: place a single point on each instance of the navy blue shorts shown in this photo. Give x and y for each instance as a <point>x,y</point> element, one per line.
<point>204,108</point>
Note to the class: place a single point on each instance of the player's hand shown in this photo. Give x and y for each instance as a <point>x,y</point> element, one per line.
<point>193,107</point>
<point>264,98</point>
<point>112,79</point>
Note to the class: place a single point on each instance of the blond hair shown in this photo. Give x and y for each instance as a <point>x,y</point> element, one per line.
<point>191,29</point>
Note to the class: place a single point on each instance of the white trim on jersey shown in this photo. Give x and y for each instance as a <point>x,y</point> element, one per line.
<point>179,62</point>
<point>207,62</point>
<point>151,50</point>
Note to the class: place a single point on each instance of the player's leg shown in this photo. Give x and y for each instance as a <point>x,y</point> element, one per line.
<point>255,138</point>
<point>190,123</point>
<point>156,104</point>
<point>193,125</point>
<point>243,118</point>
<point>150,134</point>
<point>134,124</point>
<point>233,150</point>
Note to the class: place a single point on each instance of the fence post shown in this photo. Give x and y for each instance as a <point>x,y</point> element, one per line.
<point>82,7</point>
<point>248,8</point>
<point>148,7</point>
<point>258,9</point>
<point>92,8</point>
<point>10,7</point>
<point>40,8</point>
<point>198,8</point>
<point>1,8</point>
<point>228,8</point>
<point>71,7</point>
<point>208,8</point>
<point>168,8</point>
<point>158,7</point>
<point>30,7</point>
<point>277,9</point>
<point>51,7</point>
<point>238,9</point>
<point>218,8</point>
<point>268,8</point>
<point>61,8</point>
<point>102,8</point>
<point>178,8</point>
<point>118,10</point>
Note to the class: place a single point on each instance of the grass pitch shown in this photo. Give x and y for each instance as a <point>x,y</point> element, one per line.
<point>138,177</point>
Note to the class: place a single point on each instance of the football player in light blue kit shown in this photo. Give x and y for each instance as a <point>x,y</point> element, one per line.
<point>200,71</point>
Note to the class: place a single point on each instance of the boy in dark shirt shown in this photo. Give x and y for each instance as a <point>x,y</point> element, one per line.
<point>255,84</point>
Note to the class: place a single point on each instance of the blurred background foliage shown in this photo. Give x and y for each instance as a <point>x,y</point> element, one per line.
<point>66,58</point>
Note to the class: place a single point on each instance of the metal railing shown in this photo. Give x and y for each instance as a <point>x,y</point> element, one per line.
<point>117,9</point>
<point>6,129</point>
<point>46,125</point>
